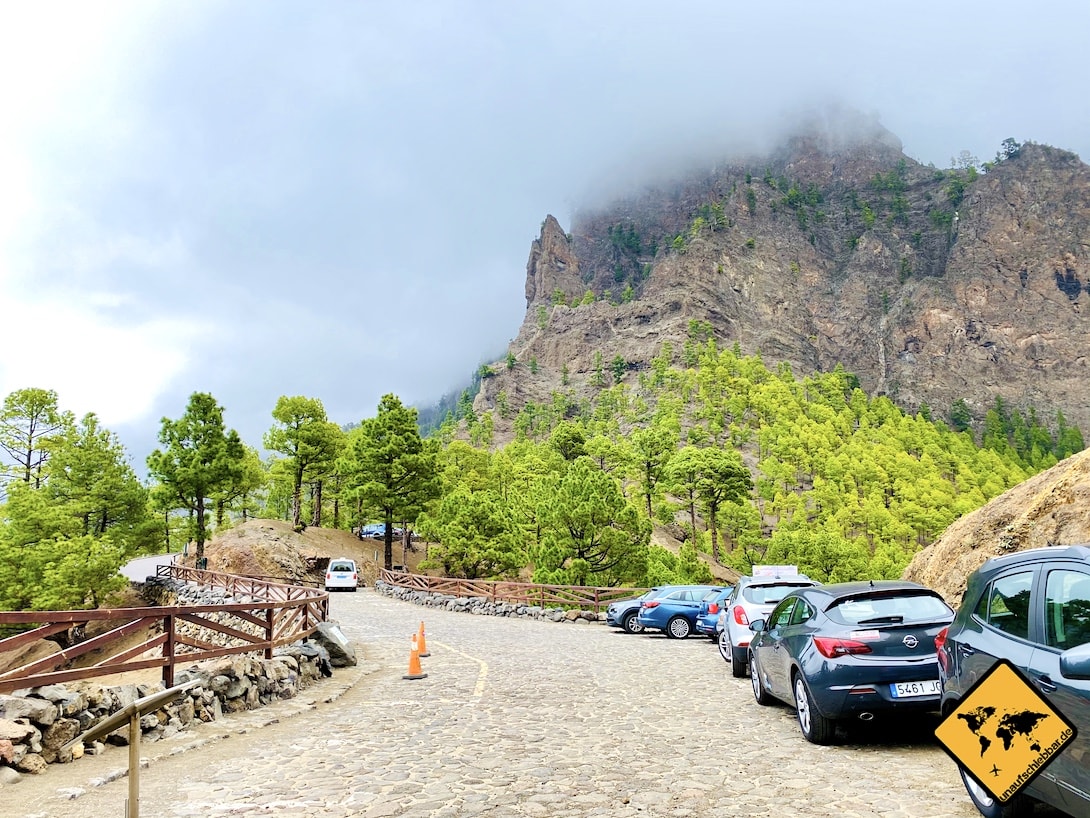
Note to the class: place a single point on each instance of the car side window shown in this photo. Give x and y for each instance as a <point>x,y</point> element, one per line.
<point>781,615</point>
<point>1067,609</point>
<point>801,613</point>
<point>1005,605</point>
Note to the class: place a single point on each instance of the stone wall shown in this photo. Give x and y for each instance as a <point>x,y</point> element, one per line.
<point>36,723</point>
<point>484,607</point>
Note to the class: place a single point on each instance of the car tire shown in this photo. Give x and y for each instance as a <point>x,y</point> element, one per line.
<point>815,727</point>
<point>739,663</point>
<point>1019,806</point>
<point>631,623</point>
<point>679,627</point>
<point>759,693</point>
<point>724,646</point>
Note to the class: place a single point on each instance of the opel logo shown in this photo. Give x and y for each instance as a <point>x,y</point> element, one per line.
<point>910,641</point>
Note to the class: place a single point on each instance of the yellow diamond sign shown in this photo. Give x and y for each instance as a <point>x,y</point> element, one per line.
<point>1004,732</point>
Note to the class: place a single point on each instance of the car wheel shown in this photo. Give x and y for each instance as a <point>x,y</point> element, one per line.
<point>738,662</point>
<point>724,646</point>
<point>1017,807</point>
<point>815,727</point>
<point>678,628</point>
<point>631,623</point>
<point>759,692</point>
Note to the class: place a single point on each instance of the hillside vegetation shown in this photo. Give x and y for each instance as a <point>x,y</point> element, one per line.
<point>748,465</point>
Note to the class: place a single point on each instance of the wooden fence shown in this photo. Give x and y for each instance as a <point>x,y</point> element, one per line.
<point>584,597</point>
<point>274,614</point>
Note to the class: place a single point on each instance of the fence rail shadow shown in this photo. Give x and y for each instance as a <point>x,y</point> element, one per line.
<point>271,614</point>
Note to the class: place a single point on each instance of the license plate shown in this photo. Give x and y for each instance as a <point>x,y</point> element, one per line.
<point>906,690</point>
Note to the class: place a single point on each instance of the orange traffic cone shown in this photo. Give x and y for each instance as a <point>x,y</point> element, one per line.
<point>421,642</point>
<point>414,663</point>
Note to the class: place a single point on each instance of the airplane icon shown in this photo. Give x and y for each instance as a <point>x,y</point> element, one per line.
<point>995,770</point>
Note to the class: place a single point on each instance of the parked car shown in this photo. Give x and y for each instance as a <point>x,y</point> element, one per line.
<point>1031,608</point>
<point>376,531</point>
<point>341,575</point>
<point>624,613</point>
<point>707,619</point>
<point>674,611</point>
<point>753,597</point>
<point>849,649</point>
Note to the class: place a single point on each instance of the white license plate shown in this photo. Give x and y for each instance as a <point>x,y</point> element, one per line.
<point>906,690</point>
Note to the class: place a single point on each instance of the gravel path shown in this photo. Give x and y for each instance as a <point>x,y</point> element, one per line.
<point>515,718</point>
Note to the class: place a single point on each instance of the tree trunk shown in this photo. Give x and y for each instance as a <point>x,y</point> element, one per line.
<point>200,528</point>
<point>715,534</point>
<point>388,541</point>
<point>297,500</point>
<point>316,497</point>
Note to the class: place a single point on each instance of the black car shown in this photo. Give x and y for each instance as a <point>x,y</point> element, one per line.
<point>1031,608</point>
<point>849,650</point>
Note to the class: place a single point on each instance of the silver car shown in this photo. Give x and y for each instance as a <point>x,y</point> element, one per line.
<point>753,598</point>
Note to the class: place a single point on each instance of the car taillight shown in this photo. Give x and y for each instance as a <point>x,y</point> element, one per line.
<point>740,615</point>
<point>830,647</point>
<point>940,643</point>
<point>355,577</point>
<point>328,575</point>
<point>713,607</point>
<point>654,603</point>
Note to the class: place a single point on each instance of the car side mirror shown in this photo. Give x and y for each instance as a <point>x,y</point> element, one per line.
<point>1075,663</point>
<point>758,626</point>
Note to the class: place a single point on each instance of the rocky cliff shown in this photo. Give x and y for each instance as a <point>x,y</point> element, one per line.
<point>929,285</point>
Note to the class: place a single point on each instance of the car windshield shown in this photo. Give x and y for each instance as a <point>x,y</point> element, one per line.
<point>887,609</point>
<point>342,566</point>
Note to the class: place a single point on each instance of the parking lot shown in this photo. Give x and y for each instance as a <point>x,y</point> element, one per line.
<point>527,718</point>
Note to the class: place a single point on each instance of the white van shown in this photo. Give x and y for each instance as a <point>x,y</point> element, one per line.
<point>341,575</point>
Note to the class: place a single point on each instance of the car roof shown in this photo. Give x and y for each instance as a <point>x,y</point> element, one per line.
<point>1077,553</point>
<point>843,590</point>
<point>776,580</point>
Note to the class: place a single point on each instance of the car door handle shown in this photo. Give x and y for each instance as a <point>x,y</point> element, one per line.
<point>1046,684</point>
<point>965,650</point>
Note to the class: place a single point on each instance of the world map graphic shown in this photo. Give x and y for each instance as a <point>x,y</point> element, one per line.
<point>987,724</point>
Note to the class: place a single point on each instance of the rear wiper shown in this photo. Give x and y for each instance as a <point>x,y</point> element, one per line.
<point>894,619</point>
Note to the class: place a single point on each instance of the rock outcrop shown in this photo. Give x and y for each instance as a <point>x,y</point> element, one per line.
<point>1051,508</point>
<point>931,286</point>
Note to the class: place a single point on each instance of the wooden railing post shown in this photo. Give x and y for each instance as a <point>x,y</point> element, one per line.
<point>168,651</point>
<point>270,621</point>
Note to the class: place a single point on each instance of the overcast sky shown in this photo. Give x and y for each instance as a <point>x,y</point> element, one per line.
<point>337,199</point>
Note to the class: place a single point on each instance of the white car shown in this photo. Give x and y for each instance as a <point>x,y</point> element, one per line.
<point>753,598</point>
<point>341,575</point>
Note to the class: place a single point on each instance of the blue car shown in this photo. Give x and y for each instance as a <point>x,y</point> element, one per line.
<point>674,611</point>
<point>623,613</point>
<point>707,620</point>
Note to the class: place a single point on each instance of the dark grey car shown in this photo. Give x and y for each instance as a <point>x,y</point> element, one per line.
<point>849,650</point>
<point>1033,609</point>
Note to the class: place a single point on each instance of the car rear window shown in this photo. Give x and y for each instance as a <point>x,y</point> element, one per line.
<point>890,609</point>
<point>342,566</point>
<point>771,594</point>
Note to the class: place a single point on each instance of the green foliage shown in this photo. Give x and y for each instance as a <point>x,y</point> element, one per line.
<point>617,367</point>
<point>533,366</point>
<point>542,316</point>
<point>751,201</point>
<point>511,360</point>
<point>751,243</point>
<point>558,297</point>
<point>485,371</point>
<point>310,443</point>
<point>388,468</point>
<point>590,533</point>
<point>200,459</point>
<point>474,534</point>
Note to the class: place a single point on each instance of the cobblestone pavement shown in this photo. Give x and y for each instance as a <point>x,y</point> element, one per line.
<point>515,718</point>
